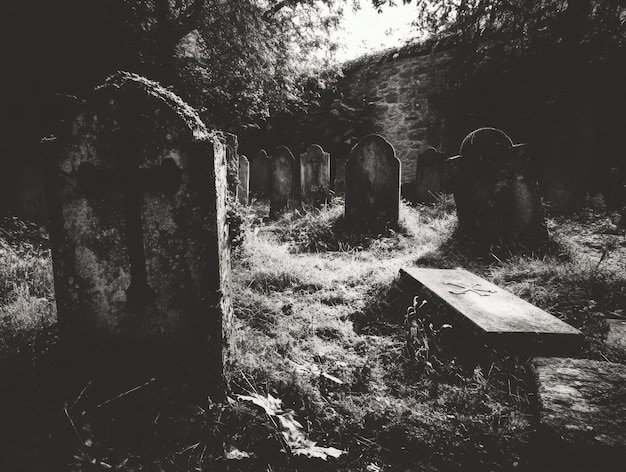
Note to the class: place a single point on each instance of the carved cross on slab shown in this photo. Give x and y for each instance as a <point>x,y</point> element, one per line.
<point>483,292</point>
<point>132,181</point>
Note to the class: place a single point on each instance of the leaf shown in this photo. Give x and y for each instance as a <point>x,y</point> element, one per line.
<point>271,405</point>
<point>319,452</point>
<point>235,454</point>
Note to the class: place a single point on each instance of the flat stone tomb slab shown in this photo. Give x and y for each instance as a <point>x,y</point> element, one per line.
<point>492,313</point>
<point>582,411</point>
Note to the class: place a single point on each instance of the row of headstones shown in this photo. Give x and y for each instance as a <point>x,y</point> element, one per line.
<point>495,189</point>
<point>372,180</point>
<point>284,178</point>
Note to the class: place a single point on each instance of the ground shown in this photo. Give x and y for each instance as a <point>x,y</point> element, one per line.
<point>321,325</point>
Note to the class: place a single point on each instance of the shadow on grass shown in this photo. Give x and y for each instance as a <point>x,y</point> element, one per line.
<point>325,229</point>
<point>462,250</point>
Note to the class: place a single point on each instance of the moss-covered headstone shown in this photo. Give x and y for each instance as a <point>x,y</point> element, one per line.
<point>141,255</point>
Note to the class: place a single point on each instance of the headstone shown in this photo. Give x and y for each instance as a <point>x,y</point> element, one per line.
<point>582,414</point>
<point>282,166</point>
<point>496,193</point>
<point>244,180</point>
<point>232,163</point>
<point>372,184</point>
<point>429,175</point>
<point>495,316</point>
<point>140,247</point>
<point>338,174</point>
<point>616,335</point>
<point>315,175</point>
<point>260,174</point>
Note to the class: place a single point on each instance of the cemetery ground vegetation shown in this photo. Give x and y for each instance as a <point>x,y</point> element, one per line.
<point>325,325</point>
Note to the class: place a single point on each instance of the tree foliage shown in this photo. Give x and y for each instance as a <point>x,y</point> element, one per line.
<point>234,60</point>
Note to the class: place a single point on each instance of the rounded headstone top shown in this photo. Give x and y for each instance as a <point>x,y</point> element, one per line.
<point>122,82</point>
<point>283,151</point>
<point>485,143</point>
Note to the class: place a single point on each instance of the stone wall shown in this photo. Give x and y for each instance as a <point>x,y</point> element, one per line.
<point>398,86</point>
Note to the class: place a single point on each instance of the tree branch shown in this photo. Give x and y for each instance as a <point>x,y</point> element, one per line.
<point>279,6</point>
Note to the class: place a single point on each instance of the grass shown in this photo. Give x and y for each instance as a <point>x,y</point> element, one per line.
<point>320,324</point>
<point>26,293</point>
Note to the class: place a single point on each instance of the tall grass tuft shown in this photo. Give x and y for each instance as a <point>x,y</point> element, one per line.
<point>26,287</point>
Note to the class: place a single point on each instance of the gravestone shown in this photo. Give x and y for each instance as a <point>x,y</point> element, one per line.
<point>372,184</point>
<point>582,414</point>
<point>338,174</point>
<point>282,166</point>
<point>496,192</point>
<point>496,317</point>
<point>260,174</point>
<point>314,175</point>
<point>429,175</point>
<point>244,180</point>
<point>232,163</point>
<point>140,247</point>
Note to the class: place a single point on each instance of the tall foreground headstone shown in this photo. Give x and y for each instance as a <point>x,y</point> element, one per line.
<point>314,175</point>
<point>244,180</point>
<point>260,174</point>
<point>496,192</point>
<point>140,248</point>
<point>282,166</point>
<point>429,175</point>
<point>372,184</point>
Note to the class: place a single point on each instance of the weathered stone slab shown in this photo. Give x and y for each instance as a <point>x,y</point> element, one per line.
<point>616,335</point>
<point>314,175</point>
<point>243,191</point>
<point>260,174</point>
<point>140,248</point>
<point>429,175</point>
<point>496,316</point>
<point>496,192</point>
<point>582,413</point>
<point>282,166</point>
<point>372,184</point>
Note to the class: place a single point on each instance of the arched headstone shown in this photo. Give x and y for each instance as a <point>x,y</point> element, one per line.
<point>260,174</point>
<point>372,184</point>
<point>496,192</point>
<point>140,248</point>
<point>282,164</point>
<point>244,180</point>
<point>429,175</point>
<point>314,175</point>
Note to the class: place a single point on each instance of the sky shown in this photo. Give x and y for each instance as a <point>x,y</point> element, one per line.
<point>367,31</point>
